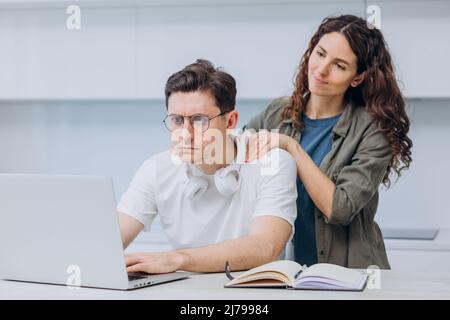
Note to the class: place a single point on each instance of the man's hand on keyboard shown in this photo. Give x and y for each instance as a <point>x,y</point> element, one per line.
<point>158,262</point>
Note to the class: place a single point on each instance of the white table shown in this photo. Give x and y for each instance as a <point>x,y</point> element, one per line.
<point>394,285</point>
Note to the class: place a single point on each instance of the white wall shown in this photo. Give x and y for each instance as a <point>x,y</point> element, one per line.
<point>114,138</point>
<point>420,198</point>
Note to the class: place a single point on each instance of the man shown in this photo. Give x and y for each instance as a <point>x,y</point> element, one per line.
<point>213,209</point>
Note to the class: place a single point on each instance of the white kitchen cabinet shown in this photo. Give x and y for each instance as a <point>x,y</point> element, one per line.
<point>41,59</point>
<point>126,49</point>
<point>259,45</point>
<point>417,34</point>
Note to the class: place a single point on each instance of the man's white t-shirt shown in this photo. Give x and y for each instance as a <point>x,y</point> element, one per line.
<point>157,189</point>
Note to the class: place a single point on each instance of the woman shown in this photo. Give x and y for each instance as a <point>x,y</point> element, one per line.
<point>346,127</point>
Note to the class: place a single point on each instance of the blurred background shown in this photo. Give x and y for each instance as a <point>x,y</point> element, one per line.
<point>90,100</point>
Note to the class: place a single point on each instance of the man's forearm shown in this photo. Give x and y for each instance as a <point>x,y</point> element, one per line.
<point>242,254</point>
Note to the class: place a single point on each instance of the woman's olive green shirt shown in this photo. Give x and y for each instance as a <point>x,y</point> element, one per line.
<point>356,164</point>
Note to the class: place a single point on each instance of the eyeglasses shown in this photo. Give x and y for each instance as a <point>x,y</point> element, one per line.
<point>198,121</point>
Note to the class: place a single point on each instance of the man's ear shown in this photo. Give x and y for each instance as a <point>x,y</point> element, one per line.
<point>232,120</point>
<point>358,79</point>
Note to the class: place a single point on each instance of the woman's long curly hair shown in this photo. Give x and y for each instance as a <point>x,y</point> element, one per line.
<point>378,93</point>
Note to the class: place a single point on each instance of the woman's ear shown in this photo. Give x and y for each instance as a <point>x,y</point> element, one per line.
<point>358,79</point>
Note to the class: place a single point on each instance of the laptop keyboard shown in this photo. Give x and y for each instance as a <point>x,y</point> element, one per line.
<point>133,276</point>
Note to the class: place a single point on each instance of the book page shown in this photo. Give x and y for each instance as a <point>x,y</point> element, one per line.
<point>324,271</point>
<point>286,267</point>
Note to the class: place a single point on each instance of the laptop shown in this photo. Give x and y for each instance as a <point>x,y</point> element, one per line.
<point>60,229</point>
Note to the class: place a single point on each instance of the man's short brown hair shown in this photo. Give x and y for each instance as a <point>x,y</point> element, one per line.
<point>201,75</point>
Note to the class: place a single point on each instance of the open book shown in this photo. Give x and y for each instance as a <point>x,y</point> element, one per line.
<point>290,274</point>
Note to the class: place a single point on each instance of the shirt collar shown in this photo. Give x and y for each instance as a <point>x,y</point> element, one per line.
<point>343,124</point>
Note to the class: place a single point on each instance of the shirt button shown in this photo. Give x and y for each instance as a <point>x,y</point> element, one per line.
<point>318,216</point>
<point>321,252</point>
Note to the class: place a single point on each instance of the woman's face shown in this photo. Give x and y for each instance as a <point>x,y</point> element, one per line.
<point>332,66</point>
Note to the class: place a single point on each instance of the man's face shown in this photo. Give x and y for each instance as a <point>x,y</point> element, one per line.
<point>190,142</point>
